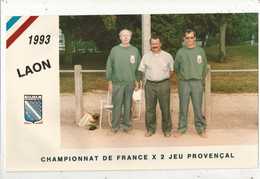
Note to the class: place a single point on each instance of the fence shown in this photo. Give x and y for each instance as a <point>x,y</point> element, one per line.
<point>79,90</point>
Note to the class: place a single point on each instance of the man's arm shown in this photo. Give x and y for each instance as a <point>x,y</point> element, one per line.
<point>205,68</point>
<point>110,86</point>
<point>171,66</point>
<point>109,73</point>
<point>137,85</point>
<point>171,73</point>
<point>137,71</point>
<point>141,69</point>
<point>177,64</point>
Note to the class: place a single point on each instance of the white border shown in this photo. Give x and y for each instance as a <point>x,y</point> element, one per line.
<point>84,7</point>
<point>90,7</point>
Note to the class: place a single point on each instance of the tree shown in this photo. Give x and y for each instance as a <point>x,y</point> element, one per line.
<point>241,29</point>
<point>170,28</point>
<point>100,29</point>
<point>104,30</point>
<point>202,24</point>
<point>67,23</point>
<point>222,43</point>
<point>84,28</point>
<point>235,29</point>
<point>133,23</point>
<point>205,24</point>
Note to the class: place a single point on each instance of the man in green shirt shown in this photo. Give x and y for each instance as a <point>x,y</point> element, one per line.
<point>190,66</point>
<point>123,78</point>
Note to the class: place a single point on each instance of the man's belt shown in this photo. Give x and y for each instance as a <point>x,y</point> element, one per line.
<point>158,81</point>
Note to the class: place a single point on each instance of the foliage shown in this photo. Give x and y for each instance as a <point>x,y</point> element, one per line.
<point>170,28</point>
<point>133,23</point>
<point>109,21</point>
<point>86,28</point>
<point>234,28</point>
<point>241,28</point>
<point>85,46</point>
<point>212,41</point>
<point>99,29</point>
<point>203,24</point>
<point>103,30</point>
<point>89,61</point>
<point>66,24</point>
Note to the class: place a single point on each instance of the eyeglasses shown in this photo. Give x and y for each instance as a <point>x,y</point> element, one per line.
<point>189,38</point>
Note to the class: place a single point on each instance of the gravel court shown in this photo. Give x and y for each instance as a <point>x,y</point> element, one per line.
<point>234,121</point>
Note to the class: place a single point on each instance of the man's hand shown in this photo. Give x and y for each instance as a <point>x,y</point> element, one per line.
<point>110,86</point>
<point>171,73</point>
<point>137,85</point>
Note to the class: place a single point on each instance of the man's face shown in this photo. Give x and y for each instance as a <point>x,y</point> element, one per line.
<point>190,39</point>
<point>125,37</point>
<point>156,45</point>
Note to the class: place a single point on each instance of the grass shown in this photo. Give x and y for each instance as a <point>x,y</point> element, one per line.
<point>91,82</point>
<point>238,57</point>
<point>89,61</point>
<point>234,82</point>
<point>67,83</point>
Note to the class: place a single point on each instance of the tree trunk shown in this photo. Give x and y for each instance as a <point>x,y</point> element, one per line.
<point>76,48</point>
<point>223,26</point>
<point>68,46</point>
<point>203,39</point>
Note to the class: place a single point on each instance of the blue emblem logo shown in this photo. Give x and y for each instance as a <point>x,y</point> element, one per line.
<point>33,108</point>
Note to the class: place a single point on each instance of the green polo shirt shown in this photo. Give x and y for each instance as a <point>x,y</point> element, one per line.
<point>190,63</point>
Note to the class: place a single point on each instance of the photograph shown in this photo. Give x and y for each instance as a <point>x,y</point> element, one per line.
<point>139,89</point>
<point>227,64</point>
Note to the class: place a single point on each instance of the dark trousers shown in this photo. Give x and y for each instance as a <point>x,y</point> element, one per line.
<point>160,91</point>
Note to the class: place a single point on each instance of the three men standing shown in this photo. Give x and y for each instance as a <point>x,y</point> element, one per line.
<point>157,67</point>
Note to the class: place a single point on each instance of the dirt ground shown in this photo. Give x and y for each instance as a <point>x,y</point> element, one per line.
<point>234,121</point>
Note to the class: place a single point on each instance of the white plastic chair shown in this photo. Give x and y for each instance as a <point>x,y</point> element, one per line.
<point>137,100</point>
<point>107,105</point>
